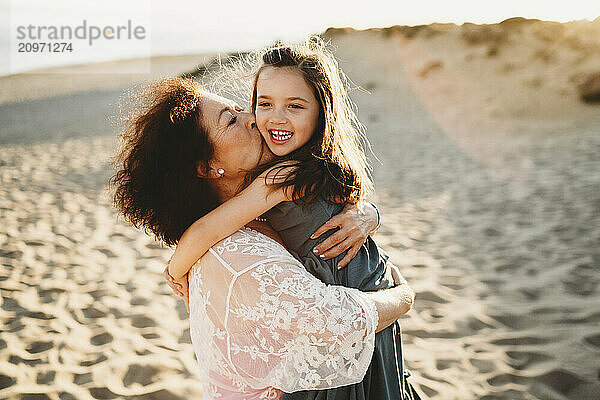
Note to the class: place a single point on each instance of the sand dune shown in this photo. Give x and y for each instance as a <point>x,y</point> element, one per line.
<point>488,188</point>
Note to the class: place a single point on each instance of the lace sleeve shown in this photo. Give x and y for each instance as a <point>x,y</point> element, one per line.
<point>288,330</point>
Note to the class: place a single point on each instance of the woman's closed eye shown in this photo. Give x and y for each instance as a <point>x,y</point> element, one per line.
<point>232,120</point>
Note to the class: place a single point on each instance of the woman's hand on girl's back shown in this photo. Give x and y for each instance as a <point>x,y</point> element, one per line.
<point>356,222</point>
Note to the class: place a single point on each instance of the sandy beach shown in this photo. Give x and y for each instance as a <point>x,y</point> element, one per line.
<point>488,184</point>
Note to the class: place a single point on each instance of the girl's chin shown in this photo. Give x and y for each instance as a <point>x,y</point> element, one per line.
<point>277,149</point>
<point>280,151</point>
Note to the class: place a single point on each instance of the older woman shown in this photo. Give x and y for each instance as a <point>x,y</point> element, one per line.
<point>260,323</point>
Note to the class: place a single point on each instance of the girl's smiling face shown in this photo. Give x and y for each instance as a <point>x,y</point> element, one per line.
<point>287,110</point>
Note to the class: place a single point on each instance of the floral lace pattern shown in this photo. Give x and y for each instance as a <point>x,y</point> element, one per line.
<point>260,324</point>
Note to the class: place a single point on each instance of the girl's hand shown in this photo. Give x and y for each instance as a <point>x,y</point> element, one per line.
<point>397,276</point>
<point>179,286</point>
<point>183,281</point>
<point>356,222</point>
<point>175,287</point>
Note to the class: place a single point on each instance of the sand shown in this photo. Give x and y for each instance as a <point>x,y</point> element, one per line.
<point>488,186</point>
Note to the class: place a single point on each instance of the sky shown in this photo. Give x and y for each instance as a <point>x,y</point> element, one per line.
<point>277,19</point>
<point>193,26</point>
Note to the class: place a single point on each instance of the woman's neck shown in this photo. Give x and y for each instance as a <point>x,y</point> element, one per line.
<point>227,188</point>
<point>265,229</point>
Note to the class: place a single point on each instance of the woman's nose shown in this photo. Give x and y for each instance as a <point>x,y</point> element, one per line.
<point>250,120</point>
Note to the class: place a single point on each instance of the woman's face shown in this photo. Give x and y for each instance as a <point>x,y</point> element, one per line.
<point>287,110</point>
<point>237,142</point>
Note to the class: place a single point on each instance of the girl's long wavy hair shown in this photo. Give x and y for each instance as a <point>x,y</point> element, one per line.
<point>156,185</point>
<point>332,164</point>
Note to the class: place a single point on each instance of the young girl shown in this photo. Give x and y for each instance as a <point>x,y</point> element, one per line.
<point>306,119</point>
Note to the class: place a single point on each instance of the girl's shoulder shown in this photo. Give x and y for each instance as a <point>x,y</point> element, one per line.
<point>320,207</point>
<point>296,219</point>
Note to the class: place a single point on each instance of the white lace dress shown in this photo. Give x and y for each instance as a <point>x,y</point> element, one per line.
<point>261,324</point>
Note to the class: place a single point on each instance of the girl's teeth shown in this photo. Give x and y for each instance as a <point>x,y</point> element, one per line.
<point>281,135</point>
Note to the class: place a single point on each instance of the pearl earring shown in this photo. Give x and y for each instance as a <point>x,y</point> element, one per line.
<point>221,172</point>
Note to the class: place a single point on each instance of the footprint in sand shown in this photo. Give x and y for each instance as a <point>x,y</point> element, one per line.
<point>142,321</point>
<point>101,339</point>
<point>443,364</point>
<point>522,360</point>
<point>594,340</point>
<point>560,380</point>
<point>141,374</point>
<point>102,393</point>
<point>45,378</point>
<point>98,359</point>
<point>518,341</point>
<point>92,312</point>
<point>506,379</point>
<point>516,321</point>
<point>6,381</point>
<point>82,379</point>
<point>430,296</point>
<point>16,360</point>
<point>582,280</point>
<point>484,366</point>
<point>38,347</point>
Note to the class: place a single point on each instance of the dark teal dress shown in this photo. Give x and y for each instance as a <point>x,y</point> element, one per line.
<point>368,271</point>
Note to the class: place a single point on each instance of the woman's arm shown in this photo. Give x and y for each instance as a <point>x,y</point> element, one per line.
<point>323,332</point>
<point>223,221</point>
<point>394,302</point>
<point>356,222</point>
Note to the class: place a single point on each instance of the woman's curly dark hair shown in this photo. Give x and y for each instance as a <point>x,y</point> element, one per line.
<point>156,186</point>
